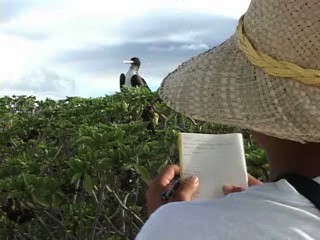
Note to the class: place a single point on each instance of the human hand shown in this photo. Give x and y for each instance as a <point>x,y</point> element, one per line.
<point>252,181</point>
<point>184,192</point>
<point>186,189</point>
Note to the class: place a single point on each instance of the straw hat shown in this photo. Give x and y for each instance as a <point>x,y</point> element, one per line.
<point>266,77</point>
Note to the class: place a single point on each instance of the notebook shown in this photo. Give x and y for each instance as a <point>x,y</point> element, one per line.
<point>216,159</point>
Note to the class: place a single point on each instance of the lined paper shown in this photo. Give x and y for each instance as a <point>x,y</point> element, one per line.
<point>215,159</point>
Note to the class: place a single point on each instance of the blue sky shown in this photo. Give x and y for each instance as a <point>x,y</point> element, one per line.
<point>58,48</point>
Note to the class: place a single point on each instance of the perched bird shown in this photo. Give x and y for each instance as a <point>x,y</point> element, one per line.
<point>132,77</point>
<point>148,115</point>
<point>151,115</point>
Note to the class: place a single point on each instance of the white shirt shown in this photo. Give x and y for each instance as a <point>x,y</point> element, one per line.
<point>269,211</point>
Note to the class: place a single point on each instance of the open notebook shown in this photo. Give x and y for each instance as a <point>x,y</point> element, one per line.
<point>216,159</point>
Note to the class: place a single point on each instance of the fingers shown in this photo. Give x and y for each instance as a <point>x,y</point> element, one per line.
<point>186,189</point>
<point>159,185</point>
<point>253,181</point>
<point>165,177</point>
<point>227,189</point>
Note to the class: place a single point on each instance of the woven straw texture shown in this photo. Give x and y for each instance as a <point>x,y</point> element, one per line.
<point>222,86</point>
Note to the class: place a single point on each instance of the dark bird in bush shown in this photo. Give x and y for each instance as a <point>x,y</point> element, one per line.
<point>151,115</point>
<point>132,77</point>
<point>148,115</point>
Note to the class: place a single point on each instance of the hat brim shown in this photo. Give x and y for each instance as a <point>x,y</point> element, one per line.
<point>221,86</point>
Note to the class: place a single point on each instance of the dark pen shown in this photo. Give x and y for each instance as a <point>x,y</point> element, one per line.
<point>171,188</point>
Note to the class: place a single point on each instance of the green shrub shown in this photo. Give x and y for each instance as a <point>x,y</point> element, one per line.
<point>78,168</point>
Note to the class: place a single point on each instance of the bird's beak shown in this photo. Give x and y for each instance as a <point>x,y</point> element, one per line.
<point>128,61</point>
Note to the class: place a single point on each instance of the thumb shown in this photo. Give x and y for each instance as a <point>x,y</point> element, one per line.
<point>186,189</point>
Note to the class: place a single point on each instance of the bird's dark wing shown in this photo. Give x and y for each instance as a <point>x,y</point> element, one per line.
<point>145,83</point>
<point>136,81</point>
<point>122,80</point>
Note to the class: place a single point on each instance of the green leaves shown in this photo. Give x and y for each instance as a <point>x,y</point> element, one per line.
<point>83,165</point>
<point>41,190</point>
<point>257,162</point>
<point>87,184</point>
<point>16,194</point>
<point>77,165</point>
<point>145,175</point>
<point>76,177</point>
<point>86,140</point>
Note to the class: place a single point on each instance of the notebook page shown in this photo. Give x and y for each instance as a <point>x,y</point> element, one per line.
<point>216,159</point>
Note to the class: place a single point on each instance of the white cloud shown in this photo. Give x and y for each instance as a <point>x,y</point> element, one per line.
<point>39,96</point>
<point>200,46</point>
<point>18,55</point>
<point>40,82</point>
<point>73,23</point>
<point>227,8</point>
<point>66,25</point>
<point>161,49</point>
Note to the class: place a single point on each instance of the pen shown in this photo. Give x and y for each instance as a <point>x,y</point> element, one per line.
<point>171,188</point>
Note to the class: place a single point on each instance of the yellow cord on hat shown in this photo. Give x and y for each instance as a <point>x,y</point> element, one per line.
<point>272,66</point>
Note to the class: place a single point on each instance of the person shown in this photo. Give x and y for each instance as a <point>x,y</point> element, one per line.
<point>265,78</point>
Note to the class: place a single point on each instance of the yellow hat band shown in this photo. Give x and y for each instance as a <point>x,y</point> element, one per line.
<point>272,66</point>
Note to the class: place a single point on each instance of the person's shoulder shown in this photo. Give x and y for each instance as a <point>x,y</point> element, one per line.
<point>205,219</point>
<point>184,219</point>
<point>265,191</point>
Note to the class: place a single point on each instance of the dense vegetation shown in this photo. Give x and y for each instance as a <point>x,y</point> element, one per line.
<point>78,168</point>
